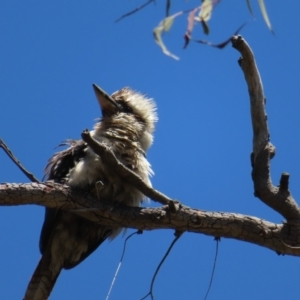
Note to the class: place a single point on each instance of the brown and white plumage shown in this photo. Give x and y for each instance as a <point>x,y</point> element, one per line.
<point>127,126</point>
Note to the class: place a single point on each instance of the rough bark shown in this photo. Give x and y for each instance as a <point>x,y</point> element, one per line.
<point>229,225</point>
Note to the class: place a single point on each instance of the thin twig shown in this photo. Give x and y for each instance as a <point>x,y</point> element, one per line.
<point>134,11</point>
<point>120,263</point>
<point>178,235</point>
<point>29,175</point>
<point>289,246</point>
<point>105,152</point>
<point>213,270</point>
<point>222,44</point>
<point>168,6</point>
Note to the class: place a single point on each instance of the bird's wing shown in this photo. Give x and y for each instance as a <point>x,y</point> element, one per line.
<point>57,169</point>
<point>60,164</point>
<point>93,235</point>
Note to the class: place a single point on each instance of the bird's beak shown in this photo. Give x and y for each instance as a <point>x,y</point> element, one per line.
<point>107,103</point>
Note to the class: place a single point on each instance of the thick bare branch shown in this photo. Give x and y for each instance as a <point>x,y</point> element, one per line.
<point>247,62</point>
<point>277,237</point>
<point>280,199</point>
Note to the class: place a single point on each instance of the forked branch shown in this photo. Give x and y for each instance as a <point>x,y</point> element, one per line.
<point>278,198</point>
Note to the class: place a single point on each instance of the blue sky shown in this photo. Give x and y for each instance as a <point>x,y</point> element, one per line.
<point>52,52</point>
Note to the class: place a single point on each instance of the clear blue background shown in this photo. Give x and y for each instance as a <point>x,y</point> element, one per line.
<point>52,52</point>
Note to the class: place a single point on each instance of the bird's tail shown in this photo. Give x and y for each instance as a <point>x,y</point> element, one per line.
<point>42,280</point>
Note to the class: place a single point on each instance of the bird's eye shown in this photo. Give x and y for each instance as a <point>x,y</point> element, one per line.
<point>125,108</point>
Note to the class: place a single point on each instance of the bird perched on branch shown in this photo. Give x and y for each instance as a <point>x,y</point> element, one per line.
<point>126,126</point>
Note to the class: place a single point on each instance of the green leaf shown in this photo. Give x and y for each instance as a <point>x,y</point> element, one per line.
<point>250,7</point>
<point>205,27</point>
<point>265,14</point>
<point>205,11</point>
<point>163,26</point>
<point>167,23</point>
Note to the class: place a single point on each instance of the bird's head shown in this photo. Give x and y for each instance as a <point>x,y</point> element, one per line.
<point>127,112</point>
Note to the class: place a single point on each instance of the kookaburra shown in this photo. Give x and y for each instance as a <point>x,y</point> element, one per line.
<point>126,126</point>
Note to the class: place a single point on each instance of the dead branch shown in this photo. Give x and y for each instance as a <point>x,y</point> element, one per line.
<point>109,157</point>
<point>29,175</point>
<point>277,237</point>
<point>278,198</point>
<point>261,135</point>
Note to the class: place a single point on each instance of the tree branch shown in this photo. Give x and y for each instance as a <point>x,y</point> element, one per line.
<point>261,134</point>
<point>109,157</point>
<point>135,10</point>
<point>276,237</point>
<point>29,175</point>
<point>279,199</point>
